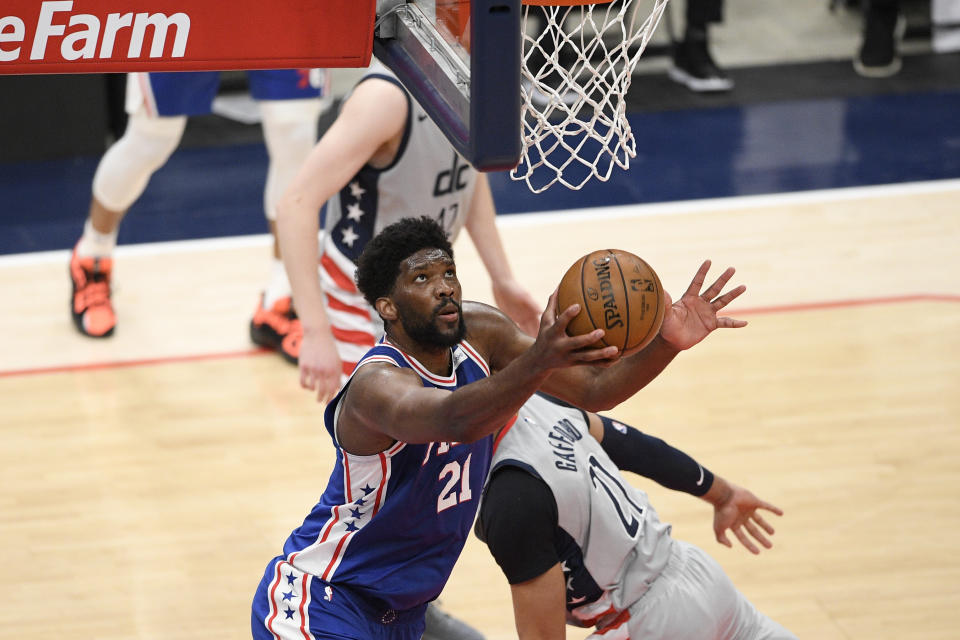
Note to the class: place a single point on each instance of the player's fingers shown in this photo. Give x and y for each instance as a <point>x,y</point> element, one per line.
<point>718,284</point>
<point>726,322</point>
<point>771,507</point>
<point>697,283</point>
<point>722,538</point>
<point>562,320</point>
<point>306,378</point>
<point>596,355</point>
<point>548,317</point>
<point>727,298</point>
<point>757,534</point>
<point>745,541</point>
<point>763,523</point>
<point>329,389</point>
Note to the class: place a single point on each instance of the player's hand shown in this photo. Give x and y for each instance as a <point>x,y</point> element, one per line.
<point>517,303</point>
<point>691,318</point>
<point>554,348</point>
<point>739,512</point>
<point>319,362</point>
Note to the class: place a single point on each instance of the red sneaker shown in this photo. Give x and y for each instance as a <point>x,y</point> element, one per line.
<point>278,328</point>
<point>90,304</point>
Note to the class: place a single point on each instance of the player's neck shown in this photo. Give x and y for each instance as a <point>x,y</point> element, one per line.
<point>437,360</point>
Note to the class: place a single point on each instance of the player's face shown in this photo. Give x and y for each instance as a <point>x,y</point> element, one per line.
<point>427,297</point>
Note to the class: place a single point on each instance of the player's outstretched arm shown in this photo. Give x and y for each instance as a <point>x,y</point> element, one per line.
<point>686,322</point>
<point>384,404</point>
<point>735,508</point>
<point>738,510</point>
<point>374,115</point>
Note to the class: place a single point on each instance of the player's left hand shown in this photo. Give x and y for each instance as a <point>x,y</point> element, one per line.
<point>694,316</point>
<point>739,512</point>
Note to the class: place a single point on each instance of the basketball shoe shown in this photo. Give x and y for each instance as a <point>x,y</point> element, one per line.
<point>278,328</point>
<point>694,67</point>
<point>877,57</point>
<point>90,303</point>
<point>442,626</point>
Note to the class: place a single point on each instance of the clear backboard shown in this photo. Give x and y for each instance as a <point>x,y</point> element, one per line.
<point>461,59</point>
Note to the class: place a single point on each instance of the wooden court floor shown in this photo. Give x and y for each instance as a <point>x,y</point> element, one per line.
<point>145,481</point>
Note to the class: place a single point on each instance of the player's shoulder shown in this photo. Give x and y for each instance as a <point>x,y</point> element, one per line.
<point>484,322</point>
<point>493,333</point>
<point>380,373</point>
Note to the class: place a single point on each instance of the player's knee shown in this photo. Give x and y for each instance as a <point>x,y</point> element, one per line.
<point>126,168</point>
<point>290,127</point>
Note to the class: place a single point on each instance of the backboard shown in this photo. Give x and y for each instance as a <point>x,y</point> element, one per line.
<point>461,60</point>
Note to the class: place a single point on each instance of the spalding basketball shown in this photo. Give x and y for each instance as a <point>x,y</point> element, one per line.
<point>617,292</point>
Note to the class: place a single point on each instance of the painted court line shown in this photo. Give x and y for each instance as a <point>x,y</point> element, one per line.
<point>787,308</point>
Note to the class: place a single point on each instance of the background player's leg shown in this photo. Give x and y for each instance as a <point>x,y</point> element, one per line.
<point>290,106</point>
<point>158,104</point>
<point>120,179</point>
<point>693,65</point>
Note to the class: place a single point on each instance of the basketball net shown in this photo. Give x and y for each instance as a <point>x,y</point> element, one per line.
<point>575,73</point>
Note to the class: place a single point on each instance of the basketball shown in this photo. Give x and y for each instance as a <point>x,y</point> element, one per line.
<point>617,292</point>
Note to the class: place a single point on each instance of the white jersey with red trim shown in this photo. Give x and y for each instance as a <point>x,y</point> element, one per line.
<point>390,526</point>
<point>427,178</point>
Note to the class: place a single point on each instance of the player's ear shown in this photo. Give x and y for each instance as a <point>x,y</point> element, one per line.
<point>386,309</point>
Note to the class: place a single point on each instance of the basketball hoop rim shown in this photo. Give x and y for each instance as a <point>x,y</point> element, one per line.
<point>563,3</point>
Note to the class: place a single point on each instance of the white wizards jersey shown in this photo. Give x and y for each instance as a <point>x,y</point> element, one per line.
<point>427,178</point>
<point>617,544</point>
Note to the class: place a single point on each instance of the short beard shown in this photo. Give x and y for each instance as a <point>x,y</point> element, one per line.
<point>425,332</point>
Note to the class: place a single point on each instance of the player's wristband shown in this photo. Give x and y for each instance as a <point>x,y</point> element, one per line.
<point>633,450</point>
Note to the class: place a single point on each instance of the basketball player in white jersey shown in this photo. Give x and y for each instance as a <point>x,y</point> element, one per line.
<point>579,545</point>
<point>159,104</point>
<point>382,160</point>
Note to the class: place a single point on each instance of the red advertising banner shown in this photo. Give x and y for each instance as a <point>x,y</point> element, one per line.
<point>97,36</point>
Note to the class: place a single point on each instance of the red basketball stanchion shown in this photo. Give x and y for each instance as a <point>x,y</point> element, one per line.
<point>96,36</point>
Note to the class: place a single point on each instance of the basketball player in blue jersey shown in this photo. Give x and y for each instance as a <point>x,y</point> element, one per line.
<point>159,104</point>
<point>579,545</point>
<point>413,426</point>
<point>381,160</point>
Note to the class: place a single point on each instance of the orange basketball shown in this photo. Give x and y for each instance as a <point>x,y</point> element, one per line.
<point>617,292</point>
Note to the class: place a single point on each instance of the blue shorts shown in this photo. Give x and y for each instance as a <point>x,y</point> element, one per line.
<point>292,605</point>
<point>190,93</point>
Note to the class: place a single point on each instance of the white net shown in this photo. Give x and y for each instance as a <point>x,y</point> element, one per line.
<point>575,73</point>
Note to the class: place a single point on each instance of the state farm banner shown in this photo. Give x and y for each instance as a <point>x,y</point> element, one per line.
<point>95,36</point>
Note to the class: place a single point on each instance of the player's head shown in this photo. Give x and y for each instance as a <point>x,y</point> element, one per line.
<point>406,272</point>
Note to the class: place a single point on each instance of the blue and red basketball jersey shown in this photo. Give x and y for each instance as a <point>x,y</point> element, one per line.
<point>390,526</point>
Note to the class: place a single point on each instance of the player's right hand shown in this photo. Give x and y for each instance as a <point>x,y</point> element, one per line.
<point>554,348</point>
<point>320,365</point>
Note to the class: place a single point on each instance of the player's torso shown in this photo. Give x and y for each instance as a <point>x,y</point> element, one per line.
<point>392,525</point>
<point>427,178</point>
<point>611,541</point>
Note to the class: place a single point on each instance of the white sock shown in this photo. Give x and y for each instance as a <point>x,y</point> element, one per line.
<point>278,285</point>
<point>95,244</point>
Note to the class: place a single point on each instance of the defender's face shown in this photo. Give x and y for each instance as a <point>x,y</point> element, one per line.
<point>427,297</point>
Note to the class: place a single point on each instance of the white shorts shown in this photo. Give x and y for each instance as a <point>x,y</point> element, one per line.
<point>694,599</point>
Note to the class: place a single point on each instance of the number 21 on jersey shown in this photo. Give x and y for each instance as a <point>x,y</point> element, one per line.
<point>456,488</point>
